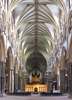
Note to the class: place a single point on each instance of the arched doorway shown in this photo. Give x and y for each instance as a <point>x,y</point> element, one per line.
<point>35,89</point>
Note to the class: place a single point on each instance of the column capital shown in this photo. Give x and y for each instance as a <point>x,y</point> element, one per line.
<point>70,63</point>
<point>11,69</point>
<point>16,74</point>
<point>2,62</point>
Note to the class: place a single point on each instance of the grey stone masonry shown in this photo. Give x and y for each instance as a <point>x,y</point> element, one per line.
<point>62,81</point>
<point>19,82</point>
<point>70,78</point>
<point>16,82</point>
<point>2,77</point>
<point>57,81</point>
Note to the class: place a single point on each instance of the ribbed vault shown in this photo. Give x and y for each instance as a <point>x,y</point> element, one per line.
<point>36,61</point>
<point>35,28</point>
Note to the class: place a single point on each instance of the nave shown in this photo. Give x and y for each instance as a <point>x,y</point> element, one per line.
<point>35,47</point>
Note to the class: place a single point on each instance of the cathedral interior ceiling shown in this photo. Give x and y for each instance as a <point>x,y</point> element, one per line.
<point>36,24</point>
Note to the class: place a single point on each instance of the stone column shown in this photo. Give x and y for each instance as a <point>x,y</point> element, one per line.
<point>53,74</point>
<point>10,80</point>
<point>66,84</point>
<point>53,83</point>
<point>23,81</point>
<point>49,85</point>
<point>70,79</point>
<point>23,84</point>
<point>6,85</point>
<point>2,78</point>
<point>49,82</point>
<point>57,82</point>
<point>16,82</point>
<point>62,81</point>
<point>19,83</point>
<point>53,78</point>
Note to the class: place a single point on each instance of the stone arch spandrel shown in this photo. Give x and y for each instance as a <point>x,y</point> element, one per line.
<point>2,48</point>
<point>63,59</point>
<point>16,66</point>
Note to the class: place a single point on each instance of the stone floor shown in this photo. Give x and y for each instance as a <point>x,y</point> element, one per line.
<point>35,97</point>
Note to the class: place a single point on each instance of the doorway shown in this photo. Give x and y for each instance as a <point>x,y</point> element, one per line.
<point>35,89</point>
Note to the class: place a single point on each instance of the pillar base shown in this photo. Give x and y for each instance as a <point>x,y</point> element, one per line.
<point>70,96</point>
<point>2,95</point>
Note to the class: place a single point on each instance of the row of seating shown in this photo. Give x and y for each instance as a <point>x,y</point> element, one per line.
<point>21,93</point>
<point>50,94</point>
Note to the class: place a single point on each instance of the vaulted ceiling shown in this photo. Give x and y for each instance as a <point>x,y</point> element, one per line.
<point>36,24</point>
